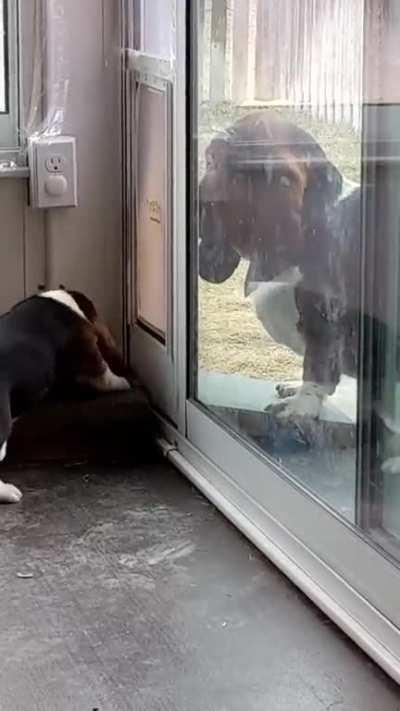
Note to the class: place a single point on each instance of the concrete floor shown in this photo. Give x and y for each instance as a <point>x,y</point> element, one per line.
<point>141,597</point>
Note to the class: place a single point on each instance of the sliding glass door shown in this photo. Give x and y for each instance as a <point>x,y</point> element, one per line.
<point>279,143</point>
<point>294,279</point>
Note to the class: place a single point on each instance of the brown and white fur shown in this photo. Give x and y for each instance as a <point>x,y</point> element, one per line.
<point>53,339</point>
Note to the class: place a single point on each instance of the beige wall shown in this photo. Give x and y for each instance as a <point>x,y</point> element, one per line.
<point>82,245</point>
<point>21,243</point>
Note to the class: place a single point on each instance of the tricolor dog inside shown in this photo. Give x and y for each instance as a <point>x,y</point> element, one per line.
<point>55,338</point>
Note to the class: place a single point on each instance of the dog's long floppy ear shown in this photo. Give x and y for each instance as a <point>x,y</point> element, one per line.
<point>217,259</point>
<point>324,187</point>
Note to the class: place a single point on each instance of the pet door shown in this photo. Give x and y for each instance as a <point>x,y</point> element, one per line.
<point>152,206</point>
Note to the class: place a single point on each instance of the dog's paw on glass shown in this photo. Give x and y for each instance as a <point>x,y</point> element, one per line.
<point>391,466</point>
<point>286,390</point>
<point>302,403</point>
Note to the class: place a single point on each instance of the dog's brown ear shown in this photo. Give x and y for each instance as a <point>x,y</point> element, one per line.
<point>213,186</point>
<point>217,152</point>
<point>328,181</point>
<point>324,187</point>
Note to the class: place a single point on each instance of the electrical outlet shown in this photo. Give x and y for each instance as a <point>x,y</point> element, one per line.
<point>55,164</point>
<point>53,170</point>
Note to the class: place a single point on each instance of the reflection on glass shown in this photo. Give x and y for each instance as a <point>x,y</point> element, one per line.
<point>279,155</point>
<point>154,27</point>
<point>383,519</point>
<point>3,46</point>
<point>299,255</point>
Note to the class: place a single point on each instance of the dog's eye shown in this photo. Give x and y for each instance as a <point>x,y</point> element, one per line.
<point>284,181</point>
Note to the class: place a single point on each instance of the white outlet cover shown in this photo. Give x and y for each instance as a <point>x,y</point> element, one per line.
<point>53,168</point>
<point>56,185</point>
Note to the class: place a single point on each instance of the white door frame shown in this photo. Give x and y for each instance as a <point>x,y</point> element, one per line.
<point>162,366</point>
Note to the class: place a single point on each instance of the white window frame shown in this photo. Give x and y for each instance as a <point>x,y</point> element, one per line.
<point>10,120</point>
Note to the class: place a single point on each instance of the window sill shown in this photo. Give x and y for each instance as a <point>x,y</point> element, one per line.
<point>8,169</point>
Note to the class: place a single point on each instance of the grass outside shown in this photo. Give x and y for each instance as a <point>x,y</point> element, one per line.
<point>231,339</point>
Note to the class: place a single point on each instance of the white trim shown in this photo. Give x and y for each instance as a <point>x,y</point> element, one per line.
<point>147,64</point>
<point>164,367</point>
<point>8,169</point>
<point>363,623</point>
<point>180,244</point>
<point>9,121</point>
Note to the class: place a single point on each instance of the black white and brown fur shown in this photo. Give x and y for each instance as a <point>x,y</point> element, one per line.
<point>314,309</point>
<point>270,196</point>
<point>52,339</point>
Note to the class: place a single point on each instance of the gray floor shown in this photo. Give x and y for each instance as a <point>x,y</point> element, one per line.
<point>143,597</point>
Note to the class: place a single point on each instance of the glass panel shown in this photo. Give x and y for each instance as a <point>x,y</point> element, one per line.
<point>296,253</point>
<point>154,31</point>
<point>382,265</point>
<point>9,73</point>
<point>3,57</point>
<point>279,165</point>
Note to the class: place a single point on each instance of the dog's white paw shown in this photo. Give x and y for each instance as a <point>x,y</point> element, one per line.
<point>9,494</point>
<point>306,403</point>
<point>285,390</point>
<point>301,405</point>
<point>391,465</point>
<point>107,382</point>
<point>120,383</point>
<point>297,403</point>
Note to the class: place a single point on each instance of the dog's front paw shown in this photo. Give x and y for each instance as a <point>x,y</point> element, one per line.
<point>303,405</point>
<point>9,494</point>
<point>285,390</point>
<point>391,466</point>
